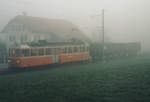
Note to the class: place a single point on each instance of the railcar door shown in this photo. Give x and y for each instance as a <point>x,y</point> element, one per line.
<point>55,57</point>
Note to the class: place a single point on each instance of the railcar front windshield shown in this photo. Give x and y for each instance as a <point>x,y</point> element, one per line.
<point>14,52</point>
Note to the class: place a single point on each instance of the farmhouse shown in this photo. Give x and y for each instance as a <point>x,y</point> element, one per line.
<point>24,29</point>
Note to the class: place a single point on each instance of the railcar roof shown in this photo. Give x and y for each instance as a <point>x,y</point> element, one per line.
<point>56,44</point>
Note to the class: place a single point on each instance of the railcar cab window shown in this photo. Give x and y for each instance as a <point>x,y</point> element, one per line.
<point>75,49</point>
<point>11,52</point>
<point>33,52</point>
<point>48,51</point>
<point>81,48</point>
<point>87,48</point>
<point>25,52</point>
<point>41,51</point>
<point>14,52</point>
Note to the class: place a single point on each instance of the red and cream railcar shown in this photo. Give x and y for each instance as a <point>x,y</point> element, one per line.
<point>37,55</point>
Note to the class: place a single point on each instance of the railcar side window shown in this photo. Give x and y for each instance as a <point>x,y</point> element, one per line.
<point>64,50</point>
<point>56,50</point>
<point>33,52</point>
<point>41,51</point>
<point>75,49</point>
<point>47,51</point>
<point>25,52</point>
<point>70,49</point>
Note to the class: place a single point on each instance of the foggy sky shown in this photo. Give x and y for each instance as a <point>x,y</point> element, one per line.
<point>125,20</point>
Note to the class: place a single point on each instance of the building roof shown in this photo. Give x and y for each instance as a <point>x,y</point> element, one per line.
<point>62,28</point>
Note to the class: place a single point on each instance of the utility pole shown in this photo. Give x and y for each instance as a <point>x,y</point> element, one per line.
<point>103,34</point>
<point>102,38</point>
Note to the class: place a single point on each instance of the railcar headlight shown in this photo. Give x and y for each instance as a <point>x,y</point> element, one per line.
<point>9,61</point>
<point>18,61</point>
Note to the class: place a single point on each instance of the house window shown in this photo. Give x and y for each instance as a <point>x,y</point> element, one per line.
<point>12,38</point>
<point>25,37</point>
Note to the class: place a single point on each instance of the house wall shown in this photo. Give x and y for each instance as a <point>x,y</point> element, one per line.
<point>17,33</point>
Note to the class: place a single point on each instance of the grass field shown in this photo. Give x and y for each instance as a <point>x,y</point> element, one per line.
<point>126,80</point>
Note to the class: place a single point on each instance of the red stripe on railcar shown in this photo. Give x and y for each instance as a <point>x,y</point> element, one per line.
<point>74,57</point>
<point>35,61</point>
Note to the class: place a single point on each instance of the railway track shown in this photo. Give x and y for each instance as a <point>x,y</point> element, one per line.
<point>8,71</point>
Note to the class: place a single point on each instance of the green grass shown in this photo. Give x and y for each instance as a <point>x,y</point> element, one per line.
<point>126,80</point>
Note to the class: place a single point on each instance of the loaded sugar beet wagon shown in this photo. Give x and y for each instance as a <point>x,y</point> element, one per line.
<point>38,54</point>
